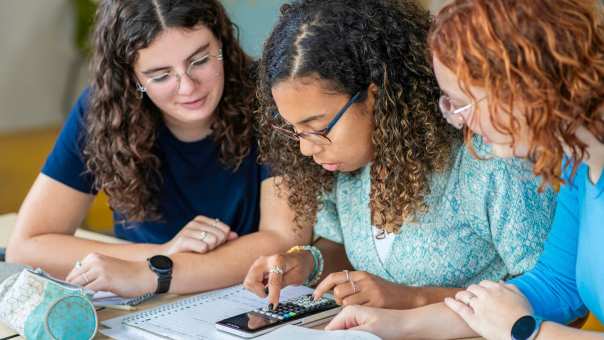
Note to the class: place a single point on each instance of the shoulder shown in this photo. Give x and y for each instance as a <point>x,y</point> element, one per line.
<point>488,168</point>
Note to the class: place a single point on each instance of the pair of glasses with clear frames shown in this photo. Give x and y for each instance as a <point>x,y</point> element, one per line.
<point>200,69</point>
<point>456,116</point>
<point>318,137</point>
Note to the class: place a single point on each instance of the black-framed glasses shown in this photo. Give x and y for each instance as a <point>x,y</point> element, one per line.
<point>318,137</point>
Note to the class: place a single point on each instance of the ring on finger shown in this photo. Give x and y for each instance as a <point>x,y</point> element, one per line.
<point>78,264</point>
<point>216,222</point>
<point>202,236</point>
<point>354,287</point>
<point>276,270</point>
<point>347,274</point>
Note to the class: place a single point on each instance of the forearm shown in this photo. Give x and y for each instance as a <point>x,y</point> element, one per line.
<point>334,257</point>
<point>419,323</point>
<point>422,296</point>
<point>228,264</point>
<point>57,253</point>
<point>551,330</point>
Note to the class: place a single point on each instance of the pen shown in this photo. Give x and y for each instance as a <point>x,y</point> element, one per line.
<point>120,307</point>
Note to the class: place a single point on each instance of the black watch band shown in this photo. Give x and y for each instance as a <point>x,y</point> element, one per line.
<point>162,266</point>
<point>163,284</point>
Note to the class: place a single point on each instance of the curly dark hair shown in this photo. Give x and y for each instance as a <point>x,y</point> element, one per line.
<point>547,55</point>
<point>122,125</point>
<point>348,45</point>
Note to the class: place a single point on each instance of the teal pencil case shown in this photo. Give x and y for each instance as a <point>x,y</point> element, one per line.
<point>38,306</point>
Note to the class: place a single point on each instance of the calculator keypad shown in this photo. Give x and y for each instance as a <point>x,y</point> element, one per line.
<point>297,307</point>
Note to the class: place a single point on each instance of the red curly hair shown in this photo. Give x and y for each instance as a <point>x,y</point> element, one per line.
<point>542,58</point>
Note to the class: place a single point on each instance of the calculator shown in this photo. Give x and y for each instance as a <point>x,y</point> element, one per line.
<point>300,311</point>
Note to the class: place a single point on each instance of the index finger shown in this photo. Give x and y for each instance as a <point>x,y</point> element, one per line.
<point>275,278</point>
<point>329,283</point>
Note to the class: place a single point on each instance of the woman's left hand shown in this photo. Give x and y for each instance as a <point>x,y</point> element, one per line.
<point>105,273</point>
<point>362,288</point>
<point>490,308</point>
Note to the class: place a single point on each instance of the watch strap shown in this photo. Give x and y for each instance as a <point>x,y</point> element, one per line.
<point>163,283</point>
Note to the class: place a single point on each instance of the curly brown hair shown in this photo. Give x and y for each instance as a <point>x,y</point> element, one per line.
<point>122,125</point>
<point>348,45</point>
<point>547,55</point>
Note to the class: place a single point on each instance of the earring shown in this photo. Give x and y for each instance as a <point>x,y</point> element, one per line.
<point>140,88</point>
<point>219,56</point>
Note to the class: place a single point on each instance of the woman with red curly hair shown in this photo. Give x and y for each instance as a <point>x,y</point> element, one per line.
<point>528,76</point>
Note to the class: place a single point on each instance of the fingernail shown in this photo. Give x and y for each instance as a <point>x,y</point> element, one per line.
<point>266,290</point>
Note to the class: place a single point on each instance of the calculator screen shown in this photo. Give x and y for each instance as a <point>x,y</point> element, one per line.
<point>250,322</point>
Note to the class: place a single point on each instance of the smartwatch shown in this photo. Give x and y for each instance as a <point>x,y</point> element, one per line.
<point>526,328</point>
<point>162,266</point>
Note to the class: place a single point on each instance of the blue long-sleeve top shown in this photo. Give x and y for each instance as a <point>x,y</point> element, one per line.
<point>568,279</point>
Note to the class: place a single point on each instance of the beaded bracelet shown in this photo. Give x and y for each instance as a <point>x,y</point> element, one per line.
<point>317,259</point>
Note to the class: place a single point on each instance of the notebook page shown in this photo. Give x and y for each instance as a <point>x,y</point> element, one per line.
<point>195,317</point>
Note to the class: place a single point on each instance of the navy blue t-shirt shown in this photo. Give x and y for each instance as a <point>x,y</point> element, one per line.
<point>195,182</point>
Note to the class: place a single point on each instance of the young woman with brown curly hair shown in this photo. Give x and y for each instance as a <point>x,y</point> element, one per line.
<point>349,118</point>
<point>531,77</point>
<point>166,130</point>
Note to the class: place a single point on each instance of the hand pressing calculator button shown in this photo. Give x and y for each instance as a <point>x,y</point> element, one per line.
<point>300,311</point>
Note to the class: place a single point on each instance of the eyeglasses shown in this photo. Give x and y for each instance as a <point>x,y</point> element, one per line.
<point>456,116</point>
<point>204,68</point>
<point>316,137</point>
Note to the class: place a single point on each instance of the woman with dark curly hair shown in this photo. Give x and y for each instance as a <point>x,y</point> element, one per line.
<point>531,76</point>
<point>385,181</point>
<point>166,130</point>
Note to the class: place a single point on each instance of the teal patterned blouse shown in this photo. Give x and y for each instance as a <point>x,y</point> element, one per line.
<point>485,220</point>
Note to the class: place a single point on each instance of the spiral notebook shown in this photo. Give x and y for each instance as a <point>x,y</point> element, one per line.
<point>193,317</point>
<point>101,299</point>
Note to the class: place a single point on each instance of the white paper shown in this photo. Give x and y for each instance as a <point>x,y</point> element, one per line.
<point>102,298</point>
<point>193,317</point>
<point>291,332</point>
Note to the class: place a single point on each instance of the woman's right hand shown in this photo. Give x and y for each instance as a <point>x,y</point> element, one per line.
<point>201,235</point>
<point>296,268</point>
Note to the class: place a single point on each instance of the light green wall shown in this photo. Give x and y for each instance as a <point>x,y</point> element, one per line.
<point>255,19</point>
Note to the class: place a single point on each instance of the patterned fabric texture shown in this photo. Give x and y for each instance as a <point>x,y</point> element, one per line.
<point>486,220</point>
<point>39,307</point>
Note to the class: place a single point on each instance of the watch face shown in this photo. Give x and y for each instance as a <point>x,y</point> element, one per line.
<point>524,328</point>
<point>161,262</point>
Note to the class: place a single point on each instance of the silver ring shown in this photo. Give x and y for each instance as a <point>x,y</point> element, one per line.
<point>78,264</point>
<point>85,278</point>
<point>216,221</point>
<point>276,270</point>
<point>202,236</point>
